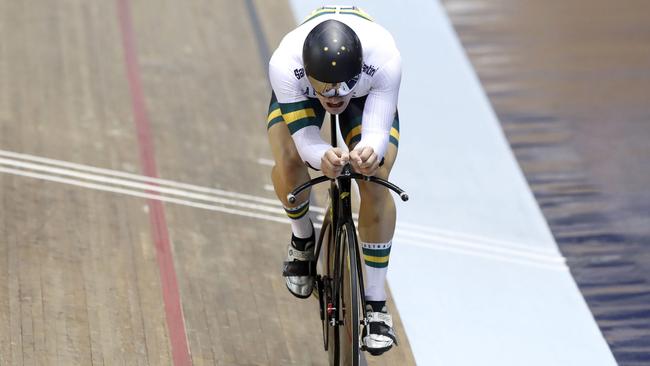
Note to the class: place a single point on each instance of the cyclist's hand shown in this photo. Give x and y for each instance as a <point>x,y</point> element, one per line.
<point>364,160</point>
<point>333,161</point>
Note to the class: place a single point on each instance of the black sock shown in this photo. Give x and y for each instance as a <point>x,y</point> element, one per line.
<point>300,243</point>
<point>377,306</point>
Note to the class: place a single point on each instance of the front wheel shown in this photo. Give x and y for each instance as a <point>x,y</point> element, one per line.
<point>332,303</point>
<point>351,298</point>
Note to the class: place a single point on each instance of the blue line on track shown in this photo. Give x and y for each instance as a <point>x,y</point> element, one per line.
<point>262,46</point>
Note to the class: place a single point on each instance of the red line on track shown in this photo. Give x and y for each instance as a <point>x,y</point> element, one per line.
<point>169,283</point>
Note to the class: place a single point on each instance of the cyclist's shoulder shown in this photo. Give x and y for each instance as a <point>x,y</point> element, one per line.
<point>287,76</point>
<point>286,60</point>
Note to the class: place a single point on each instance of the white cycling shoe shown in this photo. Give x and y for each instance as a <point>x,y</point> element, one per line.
<point>378,334</point>
<point>299,269</point>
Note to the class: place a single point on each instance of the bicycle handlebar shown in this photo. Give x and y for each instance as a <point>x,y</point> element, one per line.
<point>348,173</point>
<point>291,197</point>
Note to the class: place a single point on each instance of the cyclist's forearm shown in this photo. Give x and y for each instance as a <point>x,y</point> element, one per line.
<point>377,140</point>
<point>310,145</point>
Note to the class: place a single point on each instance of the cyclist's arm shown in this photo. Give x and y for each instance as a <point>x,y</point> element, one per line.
<point>298,114</point>
<point>379,111</point>
<point>311,145</point>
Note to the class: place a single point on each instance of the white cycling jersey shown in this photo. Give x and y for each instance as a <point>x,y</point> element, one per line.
<point>380,80</point>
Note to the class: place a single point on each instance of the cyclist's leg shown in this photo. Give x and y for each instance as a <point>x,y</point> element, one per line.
<point>376,228</point>
<point>377,212</point>
<point>288,172</point>
<point>377,217</point>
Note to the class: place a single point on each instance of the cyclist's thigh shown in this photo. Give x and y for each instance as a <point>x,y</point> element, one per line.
<point>282,145</point>
<point>389,160</point>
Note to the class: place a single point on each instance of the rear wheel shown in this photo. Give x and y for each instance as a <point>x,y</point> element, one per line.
<point>324,282</point>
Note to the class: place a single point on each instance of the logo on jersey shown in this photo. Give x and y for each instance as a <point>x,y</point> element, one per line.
<point>369,70</point>
<point>299,73</point>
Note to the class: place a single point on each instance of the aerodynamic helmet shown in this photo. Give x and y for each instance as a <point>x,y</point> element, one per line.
<point>332,57</point>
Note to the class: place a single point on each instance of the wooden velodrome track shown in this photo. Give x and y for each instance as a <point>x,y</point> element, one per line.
<point>98,271</point>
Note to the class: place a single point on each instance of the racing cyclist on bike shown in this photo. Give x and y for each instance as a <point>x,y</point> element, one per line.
<point>339,61</point>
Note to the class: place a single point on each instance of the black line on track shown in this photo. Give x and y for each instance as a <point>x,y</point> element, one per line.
<point>262,46</point>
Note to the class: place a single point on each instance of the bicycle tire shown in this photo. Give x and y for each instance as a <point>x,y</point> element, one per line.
<point>335,268</point>
<point>324,290</point>
<point>352,296</point>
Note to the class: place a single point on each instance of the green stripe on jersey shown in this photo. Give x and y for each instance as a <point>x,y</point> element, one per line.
<point>295,106</point>
<point>301,114</point>
<point>393,141</point>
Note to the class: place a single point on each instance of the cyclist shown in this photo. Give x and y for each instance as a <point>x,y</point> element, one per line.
<point>339,61</point>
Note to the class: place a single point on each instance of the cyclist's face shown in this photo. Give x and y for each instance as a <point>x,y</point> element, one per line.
<point>334,105</point>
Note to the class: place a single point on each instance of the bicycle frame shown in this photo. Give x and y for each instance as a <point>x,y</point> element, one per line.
<point>339,218</point>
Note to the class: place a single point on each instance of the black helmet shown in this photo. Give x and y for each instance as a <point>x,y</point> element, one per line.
<point>332,52</point>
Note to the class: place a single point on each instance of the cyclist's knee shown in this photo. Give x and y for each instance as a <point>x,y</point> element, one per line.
<point>373,192</point>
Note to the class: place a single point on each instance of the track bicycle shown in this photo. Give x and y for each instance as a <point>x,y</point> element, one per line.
<point>340,288</point>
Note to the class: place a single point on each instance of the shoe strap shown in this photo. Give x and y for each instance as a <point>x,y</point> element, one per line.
<point>379,317</point>
<point>301,255</point>
<point>299,268</point>
<point>382,329</point>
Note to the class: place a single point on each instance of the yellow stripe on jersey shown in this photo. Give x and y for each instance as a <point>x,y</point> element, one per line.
<point>352,10</point>
<point>394,133</point>
<point>298,115</point>
<point>318,12</point>
<point>358,12</point>
<point>355,131</point>
<point>321,11</point>
<point>276,113</point>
